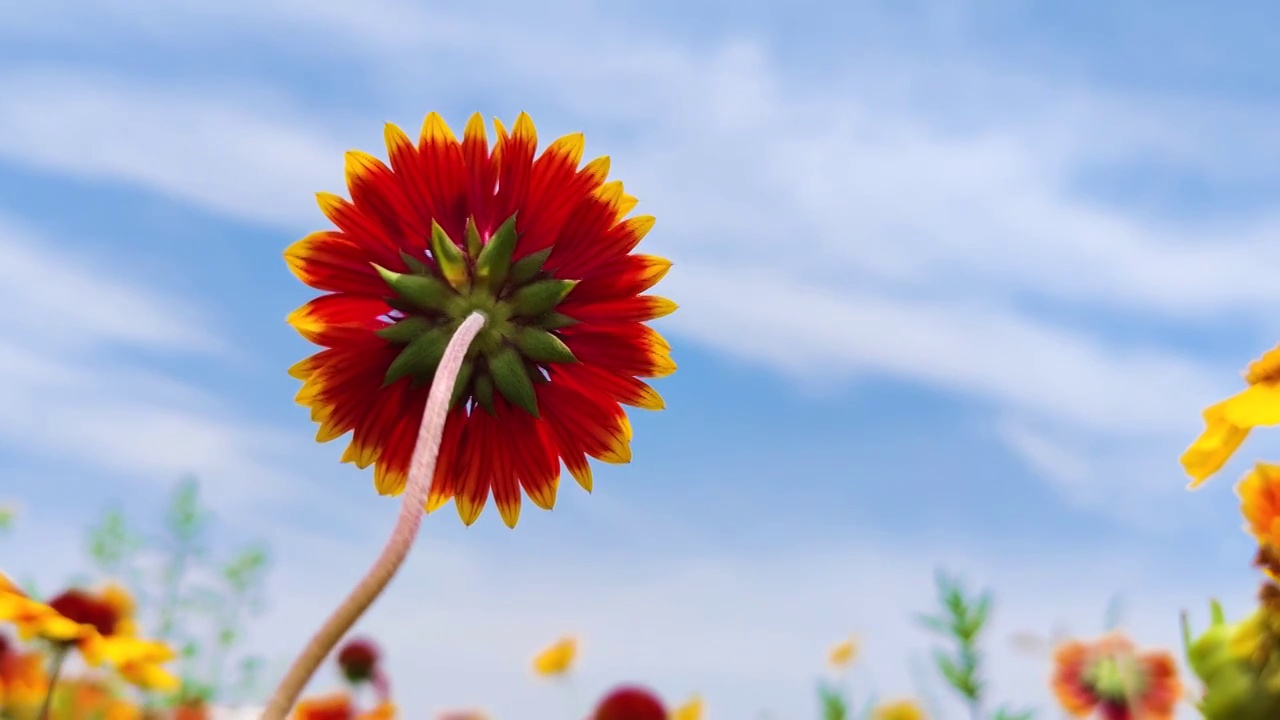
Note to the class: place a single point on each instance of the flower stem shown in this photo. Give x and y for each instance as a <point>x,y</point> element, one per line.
<point>421,472</point>
<point>55,671</point>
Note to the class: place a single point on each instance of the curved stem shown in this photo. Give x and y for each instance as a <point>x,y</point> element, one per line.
<point>55,672</point>
<point>421,471</point>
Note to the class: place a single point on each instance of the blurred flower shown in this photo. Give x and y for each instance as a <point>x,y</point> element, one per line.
<point>543,249</point>
<point>692,710</point>
<point>99,625</point>
<point>1110,677</point>
<point>358,660</point>
<point>844,654</point>
<point>899,710</point>
<point>1259,493</point>
<point>630,703</point>
<point>462,715</point>
<point>339,706</point>
<point>1239,663</point>
<point>23,681</point>
<point>557,658</point>
<point>1228,423</point>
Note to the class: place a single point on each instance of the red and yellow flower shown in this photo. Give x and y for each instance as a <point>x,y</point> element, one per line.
<point>537,243</point>
<point>98,625</point>
<point>1111,678</point>
<point>339,706</point>
<point>23,681</point>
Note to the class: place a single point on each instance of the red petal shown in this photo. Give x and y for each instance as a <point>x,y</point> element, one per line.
<point>621,277</point>
<point>514,155</point>
<point>620,388</point>
<point>445,484</point>
<point>556,188</point>
<point>330,262</point>
<point>444,176</point>
<point>379,213</point>
<point>626,349</point>
<point>586,225</point>
<point>584,423</point>
<point>342,386</point>
<point>532,462</point>
<point>482,174</point>
<point>407,164</point>
<point>340,319</point>
<point>638,308</point>
<point>474,467</point>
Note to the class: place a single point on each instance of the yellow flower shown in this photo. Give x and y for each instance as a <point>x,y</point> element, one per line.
<point>1259,493</point>
<point>23,681</point>
<point>1228,423</point>
<point>691,710</point>
<point>99,625</point>
<point>557,658</point>
<point>899,710</point>
<point>843,654</point>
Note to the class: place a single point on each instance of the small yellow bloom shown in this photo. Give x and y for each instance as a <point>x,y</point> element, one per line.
<point>843,654</point>
<point>692,710</point>
<point>899,710</point>
<point>557,658</point>
<point>1228,423</point>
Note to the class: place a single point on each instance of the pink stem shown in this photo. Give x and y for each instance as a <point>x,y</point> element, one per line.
<point>422,470</point>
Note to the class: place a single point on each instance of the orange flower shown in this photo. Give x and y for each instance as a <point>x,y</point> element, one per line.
<point>543,248</point>
<point>1228,423</point>
<point>100,626</point>
<point>339,706</point>
<point>1259,493</point>
<point>23,681</point>
<point>1111,678</point>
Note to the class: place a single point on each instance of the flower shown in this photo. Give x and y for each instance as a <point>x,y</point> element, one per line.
<point>1110,677</point>
<point>543,249</point>
<point>557,658</point>
<point>691,710</point>
<point>630,703</point>
<point>843,654</point>
<point>1228,423</point>
<point>92,698</point>
<point>339,706</point>
<point>99,625</point>
<point>1259,493</point>
<point>1238,663</point>
<point>23,681</point>
<point>899,710</point>
<point>358,660</point>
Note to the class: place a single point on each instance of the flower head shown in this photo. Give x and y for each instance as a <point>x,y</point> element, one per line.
<point>630,703</point>
<point>694,709</point>
<point>1259,493</point>
<point>99,625</point>
<point>843,654</point>
<point>1238,663</point>
<point>557,658</point>
<point>340,706</point>
<point>538,245</point>
<point>358,660</point>
<point>1228,423</point>
<point>23,680</point>
<point>1111,677</point>
<point>899,710</point>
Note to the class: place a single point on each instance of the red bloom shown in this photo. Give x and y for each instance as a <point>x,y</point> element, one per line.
<point>1109,677</point>
<point>543,249</point>
<point>630,703</point>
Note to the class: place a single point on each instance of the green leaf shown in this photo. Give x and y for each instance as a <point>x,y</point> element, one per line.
<point>494,263</point>
<point>463,383</point>
<point>512,379</point>
<point>542,346</point>
<point>419,358</point>
<point>472,234</point>
<point>415,265</point>
<point>424,291</point>
<point>449,258</point>
<point>484,392</point>
<point>554,321</point>
<point>406,330</point>
<point>528,266</point>
<point>537,298</point>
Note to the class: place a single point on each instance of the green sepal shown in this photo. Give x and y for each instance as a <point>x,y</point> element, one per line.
<point>554,321</point>
<point>449,258</point>
<point>512,380</point>
<point>484,392</point>
<point>414,264</point>
<point>420,357</point>
<point>526,267</point>
<point>424,291</point>
<point>538,298</point>
<point>472,234</point>
<point>494,262</point>
<point>463,383</point>
<point>541,346</point>
<point>405,331</point>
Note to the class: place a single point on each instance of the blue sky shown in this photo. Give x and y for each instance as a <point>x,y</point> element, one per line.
<point>956,280</point>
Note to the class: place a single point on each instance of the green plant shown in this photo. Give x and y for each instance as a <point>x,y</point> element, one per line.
<point>962,619</point>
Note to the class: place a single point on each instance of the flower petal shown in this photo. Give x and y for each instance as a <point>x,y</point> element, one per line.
<point>582,423</point>
<point>638,308</point>
<point>340,319</point>
<point>620,388</point>
<point>443,175</point>
<point>627,349</point>
<point>1214,447</point>
<point>621,277</point>
<point>329,262</point>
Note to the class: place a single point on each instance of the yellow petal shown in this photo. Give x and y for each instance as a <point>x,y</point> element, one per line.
<point>557,658</point>
<point>1215,446</point>
<point>691,710</point>
<point>1256,406</point>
